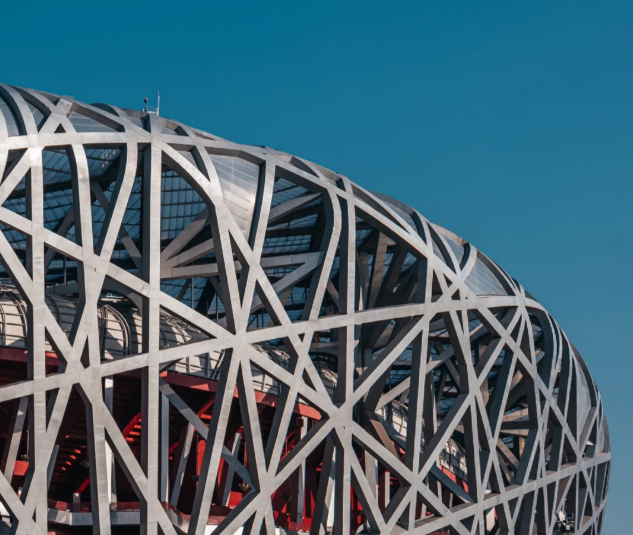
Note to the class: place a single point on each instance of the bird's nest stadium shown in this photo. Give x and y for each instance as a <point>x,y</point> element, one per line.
<point>198,336</point>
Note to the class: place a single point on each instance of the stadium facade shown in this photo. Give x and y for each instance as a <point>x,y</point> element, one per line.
<point>200,336</point>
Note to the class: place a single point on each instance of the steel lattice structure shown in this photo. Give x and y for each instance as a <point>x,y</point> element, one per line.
<point>332,360</point>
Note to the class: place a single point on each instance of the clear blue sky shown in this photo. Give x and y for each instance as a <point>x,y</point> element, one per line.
<point>506,122</point>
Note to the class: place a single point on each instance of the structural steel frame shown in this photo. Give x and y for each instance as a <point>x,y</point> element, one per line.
<point>512,384</point>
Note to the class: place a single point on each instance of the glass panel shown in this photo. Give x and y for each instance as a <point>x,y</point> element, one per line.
<point>584,399</point>
<point>9,118</point>
<point>285,190</point>
<point>407,218</point>
<point>482,281</point>
<point>86,124</point>
<point>38,116</point>
<point>239,180</point>
<point>458,248</point>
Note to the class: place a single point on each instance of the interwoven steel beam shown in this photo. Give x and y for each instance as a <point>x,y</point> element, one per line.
<point>406,341</point>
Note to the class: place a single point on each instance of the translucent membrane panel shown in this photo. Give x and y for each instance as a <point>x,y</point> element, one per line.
<point>86,124</point>
<point>285,190</point>
<point>38,116</point>
<point>239,180</point>
<point>287,244</point>
<point>437,251</point>
<point>58,197</point>
<point>100,160</point>
<point>584,398</point>
<point>362,235</point>
<point>56,206</point>
<point>457,248</point>
<point>216,307</point>
<point>307,221</point>
<point>603,437</point>
<point>180,205</point>
<point>482,281</point>
<point>9,118</point>
<point>132,216</point>
<point>174,288</point>
<point>406,217</point>
<point>56,166</point>
<point>136,121</point>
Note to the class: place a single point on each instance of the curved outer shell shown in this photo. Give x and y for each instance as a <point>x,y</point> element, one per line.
<point>288,257</point>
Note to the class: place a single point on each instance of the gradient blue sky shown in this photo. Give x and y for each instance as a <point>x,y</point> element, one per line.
<point>507,122</point>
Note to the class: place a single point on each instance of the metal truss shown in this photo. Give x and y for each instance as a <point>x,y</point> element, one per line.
<point>374,309</point>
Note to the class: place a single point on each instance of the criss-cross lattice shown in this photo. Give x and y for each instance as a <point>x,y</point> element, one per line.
<point>401,347</point>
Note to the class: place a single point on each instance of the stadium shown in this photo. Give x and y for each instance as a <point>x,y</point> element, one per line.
<point>199,336</point>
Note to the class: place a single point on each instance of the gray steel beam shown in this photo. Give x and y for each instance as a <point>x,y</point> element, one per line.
<point>491,379</point>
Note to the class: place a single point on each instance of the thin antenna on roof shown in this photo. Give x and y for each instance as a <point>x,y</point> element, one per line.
<point>151,109</point>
